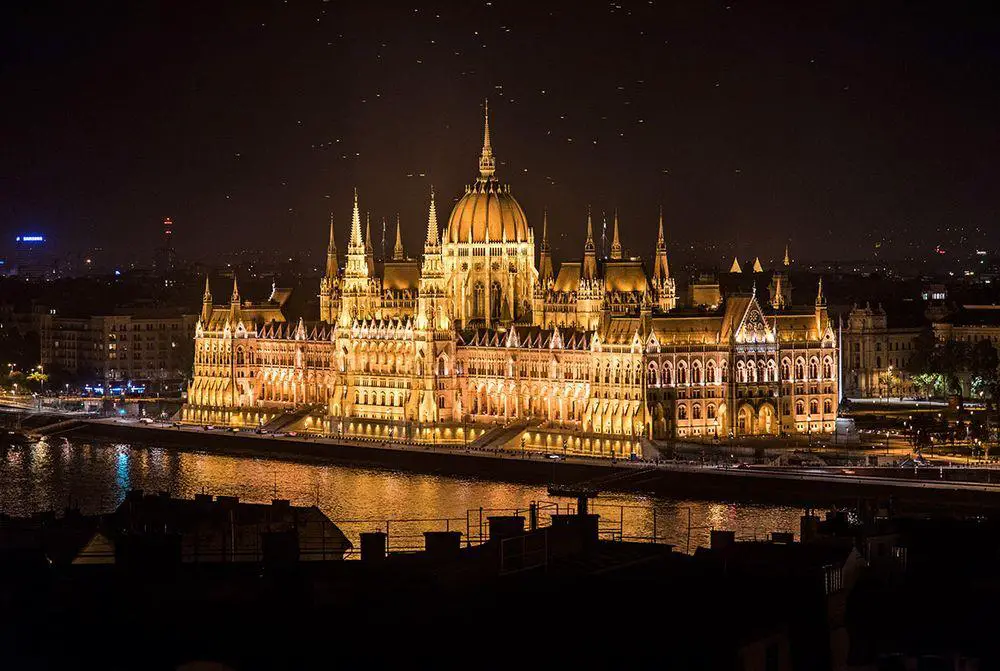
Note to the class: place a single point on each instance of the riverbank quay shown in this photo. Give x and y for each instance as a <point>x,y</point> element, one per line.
<point>914,490</point>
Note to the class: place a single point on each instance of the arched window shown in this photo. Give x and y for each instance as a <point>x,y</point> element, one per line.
<point>682,412</point>
<point>654,374</point>
<point>751,371</point>
<point>711,411</point>
<point>711,373</point>
<point>828,368</point>
<point>442,368</point>
<point>681,373</point>
<point>800,368</point>
<point>668,374</point>
<point>496,300</point>
<point>724,367</point>
<point>696,374</point>
<point>786,370</point>
<point>827,407</point>
<point>357,398</point>
<point>814,407</point>
<point>696,411</point>
<point>814,368</point>
<point>479,300</point>
<point>741,371</point>
<point>800,408</point>
<point>772,372</point>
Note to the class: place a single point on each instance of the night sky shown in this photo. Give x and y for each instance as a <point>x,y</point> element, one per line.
<point>836,125</point>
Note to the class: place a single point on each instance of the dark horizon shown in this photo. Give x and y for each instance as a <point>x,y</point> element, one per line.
<point>835,128</point>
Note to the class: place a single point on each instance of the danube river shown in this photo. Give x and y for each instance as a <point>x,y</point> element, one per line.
<point>95,476</point>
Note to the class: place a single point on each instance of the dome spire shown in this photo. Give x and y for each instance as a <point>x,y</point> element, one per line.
<point>487,165</point>
<point>398,253</point>
<point>616,244</point>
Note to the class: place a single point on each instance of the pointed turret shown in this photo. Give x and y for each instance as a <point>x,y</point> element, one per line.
<point>356,245</point>
<point>787,261</point>
<point>331,253</point>
<point>757,268</point>
<point>357,266</point>
<point>589,252</point>
<point>735,268</point>
<point>235,298</point>
<point>545,271</point>
<point>398,253</point>
<point>369,249</point>
<point>616,243</point>
<point>661,270</point>
<point>820,298</point>
<point>487,165</point>
<point>433,240</point>
<point>777,293</point>
<point>206,304</point>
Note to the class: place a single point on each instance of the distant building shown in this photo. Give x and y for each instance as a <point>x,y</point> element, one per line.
<point>32,259</point>
<point>147,349</point>
<point>166,256</point>
<point>876,355</point>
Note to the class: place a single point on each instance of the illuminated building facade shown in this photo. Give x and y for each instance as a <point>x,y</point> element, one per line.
<point>475,333</point>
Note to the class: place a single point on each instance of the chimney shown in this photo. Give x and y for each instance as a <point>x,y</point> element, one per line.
<point>505,526</point>
<point>808,527</point>
<point>373,547</point>
<point>722,539</point>
<point>442,544</point>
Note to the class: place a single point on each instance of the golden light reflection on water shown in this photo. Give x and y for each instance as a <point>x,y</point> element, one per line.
<point>96,477</point>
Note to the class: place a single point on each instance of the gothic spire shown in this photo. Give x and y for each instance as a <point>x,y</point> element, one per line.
<point>398,253</point>
<point>735,268</point>
<point>787,262</point>
<point>356,243</point>
<point>432,224</point>
<point>331,253</point>
<point>235,298</point>
<point>616,244</point>
<point>487,165</point>
<point>588,245</point>
<point>589,270</point>
<point>757,268</point>
<point>820,299</point>
<point>661,242</point>
<point>207,296</point>
<point>368,234</point>
<point>661,269</point>
<point>545,253</point>
<point>545,230</point>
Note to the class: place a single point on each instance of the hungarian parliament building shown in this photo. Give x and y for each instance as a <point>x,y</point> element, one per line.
<point>482,332</point>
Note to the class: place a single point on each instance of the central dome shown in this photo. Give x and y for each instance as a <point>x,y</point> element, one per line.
<point>487,211</point>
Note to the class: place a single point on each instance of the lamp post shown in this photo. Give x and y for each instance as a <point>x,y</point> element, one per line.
<point>809,428</point>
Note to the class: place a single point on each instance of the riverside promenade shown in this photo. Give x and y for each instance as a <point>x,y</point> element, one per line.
<point>929,488</point>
